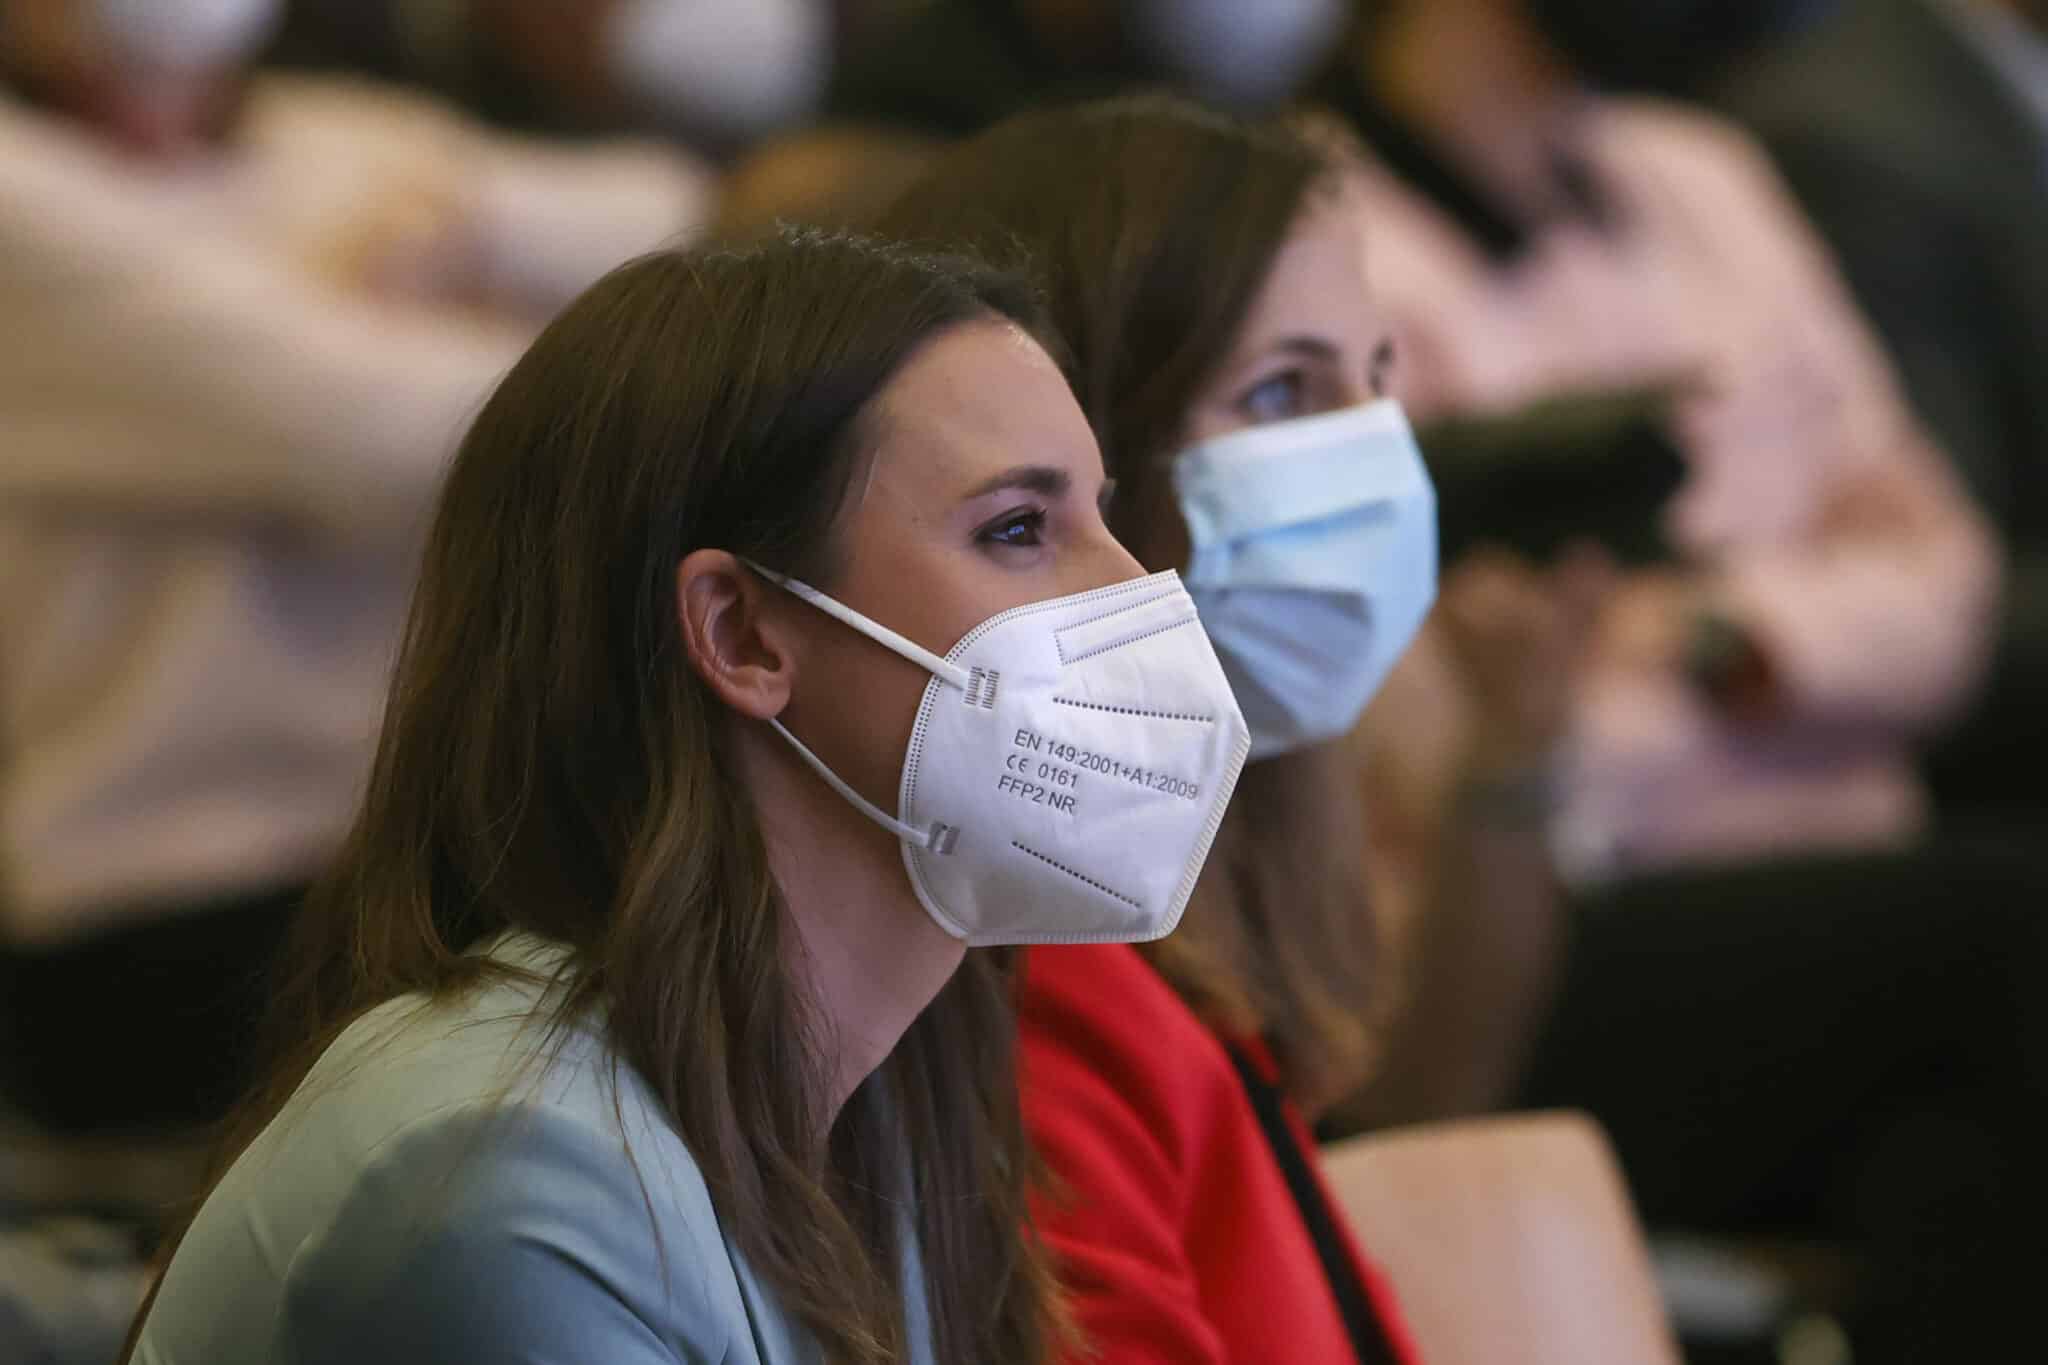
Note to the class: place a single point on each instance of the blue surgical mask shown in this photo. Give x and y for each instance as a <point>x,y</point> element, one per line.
<point>1313,563</point>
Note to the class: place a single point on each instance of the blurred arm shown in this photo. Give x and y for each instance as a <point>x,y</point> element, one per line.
<point>153,365</point>
<point>1877,608</point>
<point>1480,929</point>
<point>549,219</point>
<point>1881,617</point>
<point>1936,289</point>
<point>1454,757</point>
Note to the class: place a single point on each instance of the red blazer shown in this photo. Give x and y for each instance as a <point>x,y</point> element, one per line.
<point>1170,1219</point>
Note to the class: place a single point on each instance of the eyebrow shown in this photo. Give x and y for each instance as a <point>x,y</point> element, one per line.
<point>1042,479</point>
<point>1314,347</point>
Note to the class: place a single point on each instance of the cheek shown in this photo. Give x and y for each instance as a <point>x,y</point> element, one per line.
<point>855,707</point>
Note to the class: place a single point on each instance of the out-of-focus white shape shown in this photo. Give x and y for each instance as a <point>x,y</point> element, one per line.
<point>1234,51</point>
<point>189,34</point>
<point>732,68</point>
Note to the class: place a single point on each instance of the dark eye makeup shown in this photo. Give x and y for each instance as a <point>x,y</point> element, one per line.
<point>1019,527</point>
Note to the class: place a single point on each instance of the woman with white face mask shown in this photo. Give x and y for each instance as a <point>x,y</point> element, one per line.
<point>1208,280</point>
<point>638,1023</point>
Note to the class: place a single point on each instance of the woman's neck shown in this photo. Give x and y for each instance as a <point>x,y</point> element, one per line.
<point>868,956</point>
<point>1481,83</point>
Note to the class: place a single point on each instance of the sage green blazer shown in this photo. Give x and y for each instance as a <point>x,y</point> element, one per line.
<point>451,1185</point>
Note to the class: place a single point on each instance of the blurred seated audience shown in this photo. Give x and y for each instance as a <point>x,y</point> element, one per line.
<point>715,74</point>
<point>953,66</point>
<point>1831,588</point>
<point>1740,804</point>
<point>249,315</point>
<point>1915,133</point>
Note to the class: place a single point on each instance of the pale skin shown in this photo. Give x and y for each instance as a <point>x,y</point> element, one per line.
<point>984,491</point>
<point>1470,905</point>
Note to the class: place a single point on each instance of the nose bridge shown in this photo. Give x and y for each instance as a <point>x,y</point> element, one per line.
<point>1355,389</point>
<point>1103,561</point>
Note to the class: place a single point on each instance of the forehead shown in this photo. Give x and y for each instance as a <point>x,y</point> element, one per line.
<point>1317,283</point>
<point>979,398</point>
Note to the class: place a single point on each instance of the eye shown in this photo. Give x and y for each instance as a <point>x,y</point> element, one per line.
<point>1020,528</point>
<point>1274,398</point>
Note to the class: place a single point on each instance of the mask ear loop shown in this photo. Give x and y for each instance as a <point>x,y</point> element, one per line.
<point>940,837</point>
<point>944,670</point>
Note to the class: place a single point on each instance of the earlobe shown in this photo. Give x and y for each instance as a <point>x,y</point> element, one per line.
<point>731,634</point>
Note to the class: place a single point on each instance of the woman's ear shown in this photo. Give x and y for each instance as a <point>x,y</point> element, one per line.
<point>736,632</point>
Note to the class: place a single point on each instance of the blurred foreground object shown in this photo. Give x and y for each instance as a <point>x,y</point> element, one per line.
<point>1507,1239</point>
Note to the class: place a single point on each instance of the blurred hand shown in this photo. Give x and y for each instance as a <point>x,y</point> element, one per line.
<point>1645,622</point>
<point>1484,692</point>
<point>1517,636</point>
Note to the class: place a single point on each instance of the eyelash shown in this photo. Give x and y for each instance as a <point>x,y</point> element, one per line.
<point>1032,519</point>
<point>1247,404</point>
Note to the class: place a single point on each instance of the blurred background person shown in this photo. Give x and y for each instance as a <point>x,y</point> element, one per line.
<point>1828,590</point>
<point>1915,133</point>
<point>248,316</point>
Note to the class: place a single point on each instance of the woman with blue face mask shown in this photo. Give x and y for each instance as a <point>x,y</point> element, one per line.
<point>1208,280</point>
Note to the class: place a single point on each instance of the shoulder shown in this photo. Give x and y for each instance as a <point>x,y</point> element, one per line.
<point>1107,993</point>
<point>488,1181</point>
<point>527,1225</point>
<point>1103,1039</point>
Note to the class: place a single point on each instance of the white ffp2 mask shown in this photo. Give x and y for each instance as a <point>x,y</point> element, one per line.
<point>1070,764</point>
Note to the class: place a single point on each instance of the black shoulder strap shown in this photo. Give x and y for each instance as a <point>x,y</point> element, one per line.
<point>1361,1323</point>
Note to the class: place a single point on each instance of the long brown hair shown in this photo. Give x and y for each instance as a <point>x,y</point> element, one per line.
<point>1152,225</point>
<point>549,762</point>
